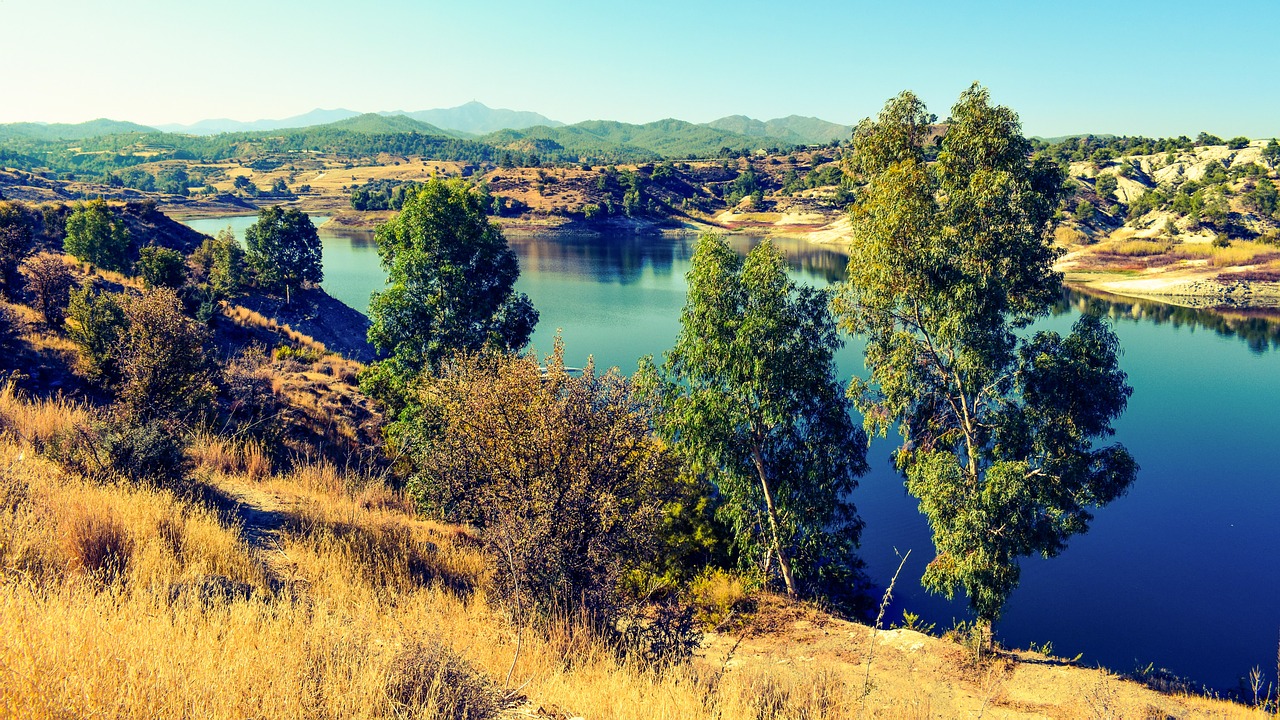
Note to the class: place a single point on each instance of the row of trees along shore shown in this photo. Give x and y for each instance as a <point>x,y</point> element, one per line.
<point>596,493</point>
<point>739,445</point>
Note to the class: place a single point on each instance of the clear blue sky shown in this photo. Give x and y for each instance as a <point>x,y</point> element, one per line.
<point>1120,66</point>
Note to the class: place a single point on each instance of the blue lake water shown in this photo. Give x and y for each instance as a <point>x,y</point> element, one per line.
<point>1183,572</point>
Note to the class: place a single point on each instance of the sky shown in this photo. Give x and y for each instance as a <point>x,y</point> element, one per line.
<point>1147,67</point>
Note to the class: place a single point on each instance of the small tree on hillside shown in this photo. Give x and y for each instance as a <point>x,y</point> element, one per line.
<point>164,369</point>
<point>161,267</point>
<point>749,395</point>
<point>49,280</point>
<point>284,249</point>
<point>219,265</point>
<point>95,323</point>
<point>96,236</point>
<point>451,280</point>
<point>1106,186</point>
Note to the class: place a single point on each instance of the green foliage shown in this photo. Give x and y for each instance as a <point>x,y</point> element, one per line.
<point>451,279</point>
<point>1264,198</point>
<point>161,267</point>
<point>1205,138</point>
<point>559,472</point>
<point>749,396</point>
<point>150,453</point>
<point>219,265</point>
<point>1238,143</point>
<point>947,263</point>
<point>1085,212</point>
<point>284,249</point>
<point>381,195</point>
<point>1271,153</point>
<point>96,323</point>
<point>1106,186</point>
<point>96,236</point>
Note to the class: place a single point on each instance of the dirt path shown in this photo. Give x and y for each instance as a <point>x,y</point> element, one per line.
<point>261,516</point>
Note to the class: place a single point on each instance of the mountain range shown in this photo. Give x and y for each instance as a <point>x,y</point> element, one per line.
<point>470,120</point>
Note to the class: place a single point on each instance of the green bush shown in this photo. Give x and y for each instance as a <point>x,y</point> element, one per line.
<point>161,267</point>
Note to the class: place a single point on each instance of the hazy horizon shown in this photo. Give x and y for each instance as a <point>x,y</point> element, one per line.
<point>1145,67</point>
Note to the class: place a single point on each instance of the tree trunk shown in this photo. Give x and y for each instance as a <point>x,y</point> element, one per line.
<point>783,563</point>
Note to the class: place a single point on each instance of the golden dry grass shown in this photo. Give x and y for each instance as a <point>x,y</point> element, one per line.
<point>347,588</point>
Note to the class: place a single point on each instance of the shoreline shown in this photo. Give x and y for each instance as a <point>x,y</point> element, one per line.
<point>1202,291</point>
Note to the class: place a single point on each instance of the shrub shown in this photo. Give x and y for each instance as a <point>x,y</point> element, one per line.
<point>95,236</point>
<point>559,472</point>
<point>150,454</point>
<point>1084,211</point>
<point>49,281</point>
<point>1106,186</point>
<point>164,369</point>
<point>161,267</point>
<point>96,543</point>
<point>96,323</point>
<point>434,678</point>
<point>8,331</point>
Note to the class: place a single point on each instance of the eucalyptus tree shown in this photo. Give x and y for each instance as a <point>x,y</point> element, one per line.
<point>950,263</point>
<point>749,396</point>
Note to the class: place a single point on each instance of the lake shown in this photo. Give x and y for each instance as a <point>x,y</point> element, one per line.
<point>1183,572</point>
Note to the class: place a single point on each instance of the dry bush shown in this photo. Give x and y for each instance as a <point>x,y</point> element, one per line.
<point>386,551</point>
<point>559,472</point>
<point>429,676</point>
<point>96,543</point>
<point>246,457</point>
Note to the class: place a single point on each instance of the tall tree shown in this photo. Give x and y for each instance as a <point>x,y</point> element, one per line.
<point>284,249</point>
<point>451,279</point>
<point>947,263</point>
<point>749,395</point>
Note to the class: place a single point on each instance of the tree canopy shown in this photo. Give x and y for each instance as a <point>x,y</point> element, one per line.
<point>284,249</point>
<point>948,262</point>
<point>451,279</point>
<point>750,397</point>
<point>95,236</point>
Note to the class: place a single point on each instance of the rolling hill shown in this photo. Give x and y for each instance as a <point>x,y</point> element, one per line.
<point>64,131</point>
<point>793,129</point>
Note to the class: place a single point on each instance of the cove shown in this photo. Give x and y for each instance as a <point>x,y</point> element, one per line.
<point>1182,573</point>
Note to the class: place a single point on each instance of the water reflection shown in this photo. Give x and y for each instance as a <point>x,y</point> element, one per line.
<point>620,259</point>
<point>625,259</point>
<point>1259,329</point>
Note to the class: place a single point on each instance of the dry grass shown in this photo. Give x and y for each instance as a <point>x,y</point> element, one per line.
<point>1136,248</point>
<point>382,615</point>
<point>1069,236</point>
<point>1239,252</point>
<point>215,453</point>
<point>249,318</point>
<point>38,421</point>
